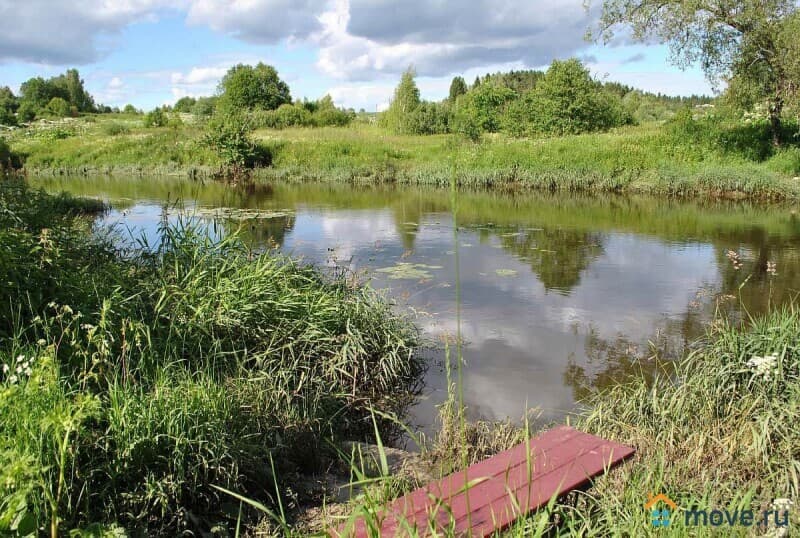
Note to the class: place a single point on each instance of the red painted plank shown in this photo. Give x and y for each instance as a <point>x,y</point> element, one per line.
<point>508,485</point>
<point>502,511</point>
<point>416,507</point>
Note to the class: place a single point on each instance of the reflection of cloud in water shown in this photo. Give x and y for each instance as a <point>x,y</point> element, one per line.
<point>519,336</point>
<point>349,233</point>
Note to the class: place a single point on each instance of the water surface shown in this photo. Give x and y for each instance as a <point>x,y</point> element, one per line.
<point>560,294</point>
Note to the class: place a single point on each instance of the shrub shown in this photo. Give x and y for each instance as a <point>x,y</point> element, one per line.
<point>26,111</point>
<point>228,135</point>
<point>115,128</point>
<point>566,101</point>
<point>7,159</point>
<point>156,118</point>
<point>58,107</point>
<point>285,116</point>
<point>430,118</point>
<point>482,106</point>
<point>204,107</point>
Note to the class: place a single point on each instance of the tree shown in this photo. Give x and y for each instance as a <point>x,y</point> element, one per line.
<point>565,101</point>
<point>8,105</point>
<point>77,95</point>
<point>129,109</point>
<point>184,104</point>
<point>156,118</point>
<point>406,100</point>
<point>245,87</point>
<point>745,42</point>
<point>482,107</point>
<point>58,107</point>
<point>457,87</point>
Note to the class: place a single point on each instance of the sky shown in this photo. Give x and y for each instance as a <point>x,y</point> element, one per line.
<point>152,52</point>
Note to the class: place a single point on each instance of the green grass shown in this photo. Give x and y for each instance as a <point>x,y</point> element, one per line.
<point>712,432</point>
<point>710,158</point>
<point>148,377</point>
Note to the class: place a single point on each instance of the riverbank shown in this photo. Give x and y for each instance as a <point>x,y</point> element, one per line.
<point>206,365</point>
<point>653,158</point>
<point>713,433</point>
<point>135,383</point>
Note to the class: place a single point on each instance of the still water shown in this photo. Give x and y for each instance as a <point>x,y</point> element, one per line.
<point>560,294</point>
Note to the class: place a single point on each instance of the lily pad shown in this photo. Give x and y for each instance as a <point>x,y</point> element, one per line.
<point>408,271</point>
<point>505,272</point>
<point>234,213</point>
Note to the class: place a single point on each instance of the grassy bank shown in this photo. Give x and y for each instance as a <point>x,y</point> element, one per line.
<point>134,382</point>
<point>714,432</point>
<point>692,158</point>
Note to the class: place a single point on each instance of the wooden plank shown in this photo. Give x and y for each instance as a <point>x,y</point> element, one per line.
<point>505,487</point>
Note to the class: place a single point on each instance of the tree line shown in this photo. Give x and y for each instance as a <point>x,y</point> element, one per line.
<point>565,99</point>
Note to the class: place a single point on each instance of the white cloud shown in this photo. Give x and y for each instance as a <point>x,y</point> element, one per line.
<point>56,32</point>
<point>199,75</point>
<point>258,21</point>
<point>362,38</point>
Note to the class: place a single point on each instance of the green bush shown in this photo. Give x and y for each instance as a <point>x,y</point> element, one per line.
<point>482,106</point>
<point>58,107</point>
<point>228,135</point>
<point>566,101</point>
<point>430,118</point>
<point>285,116</point>
<point>115,129</point>
<point>156,118</point>
<point>786,161</point>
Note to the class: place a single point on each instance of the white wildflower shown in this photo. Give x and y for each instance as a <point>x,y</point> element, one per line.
<point>41,342</point>
<point>763,366</point>
<point>19,369</point>
<point>28,372</point>
<point>782,504</point>
<point>5,368</point>
<point>20,358</point>
<point>12,379</point>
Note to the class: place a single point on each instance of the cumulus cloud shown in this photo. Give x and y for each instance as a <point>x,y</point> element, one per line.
<point>199,75</point>
<point>56,32</point>
<point>358,39</point>
<point>362,38</point>
<point>259,21</point>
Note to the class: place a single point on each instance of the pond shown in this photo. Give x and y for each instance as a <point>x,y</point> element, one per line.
<point>559,294</point>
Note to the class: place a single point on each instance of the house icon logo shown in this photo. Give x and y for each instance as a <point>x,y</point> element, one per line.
<point>660,508</point>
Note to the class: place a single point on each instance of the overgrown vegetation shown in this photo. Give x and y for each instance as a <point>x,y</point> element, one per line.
<point>132,385</point>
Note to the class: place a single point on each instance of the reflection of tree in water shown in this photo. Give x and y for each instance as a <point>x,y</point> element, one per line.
<point>762,290</point>
<point>260,232</point>
<point>557,256</point>
<point>611,362</point>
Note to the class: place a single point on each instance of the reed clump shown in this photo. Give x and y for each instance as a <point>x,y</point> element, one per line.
<point>134,381</point>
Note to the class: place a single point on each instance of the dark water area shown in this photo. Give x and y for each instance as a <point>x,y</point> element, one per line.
<point>560,294</point>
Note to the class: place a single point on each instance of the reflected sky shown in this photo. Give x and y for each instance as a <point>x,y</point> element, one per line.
<point>554,303</point>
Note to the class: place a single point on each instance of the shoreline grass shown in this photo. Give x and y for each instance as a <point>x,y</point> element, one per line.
<point>712,432</point>
<point>648,159</point>
<point>133,382</point>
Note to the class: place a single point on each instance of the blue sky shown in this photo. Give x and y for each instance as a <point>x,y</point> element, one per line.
<point>151,52</point>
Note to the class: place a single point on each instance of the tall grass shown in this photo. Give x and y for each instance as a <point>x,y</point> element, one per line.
<point>688,158</point>
<point>148,377</point>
